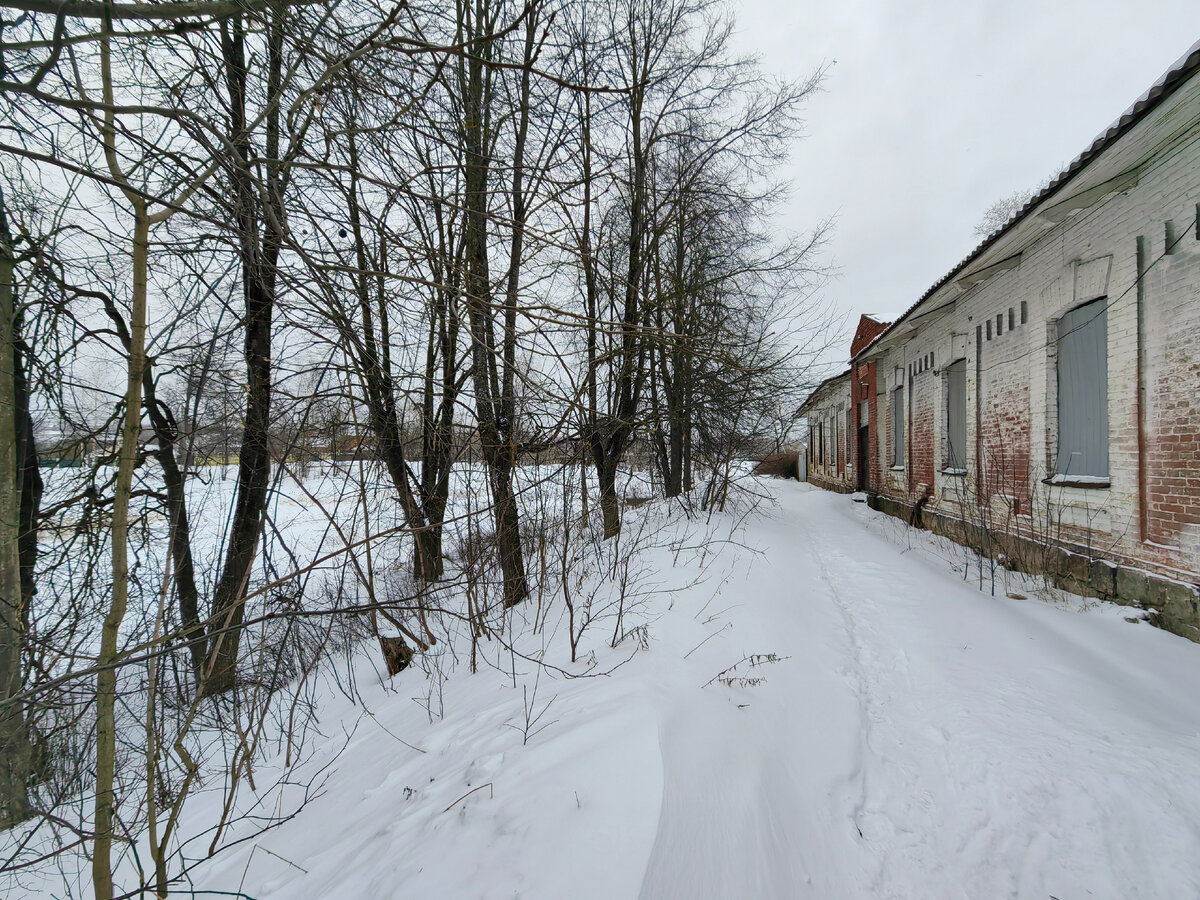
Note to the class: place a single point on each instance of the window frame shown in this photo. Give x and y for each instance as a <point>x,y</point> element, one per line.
<point>956,464</point>
<point>898,430</point>
<point>1081,369</point>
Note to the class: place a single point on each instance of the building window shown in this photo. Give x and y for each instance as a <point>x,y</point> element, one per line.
<point>898,427</point>
<point>1083,392</point>
<point>956,415</point>
<point>821,443</point>
<point>837,439</point>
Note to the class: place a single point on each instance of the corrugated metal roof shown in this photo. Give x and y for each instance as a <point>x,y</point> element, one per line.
<point>1183,69</point>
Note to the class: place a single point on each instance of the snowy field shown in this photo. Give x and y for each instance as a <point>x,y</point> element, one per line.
<point>818,706</point>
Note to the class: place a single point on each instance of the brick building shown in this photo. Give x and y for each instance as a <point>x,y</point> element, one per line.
<point>841,427</point>
<point>1045,394</point>
<point>828,453</point>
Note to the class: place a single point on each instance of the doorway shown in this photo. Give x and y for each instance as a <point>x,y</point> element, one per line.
<point>863,462</point>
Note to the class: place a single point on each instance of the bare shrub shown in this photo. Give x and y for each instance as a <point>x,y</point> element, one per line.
<point>779,465</point>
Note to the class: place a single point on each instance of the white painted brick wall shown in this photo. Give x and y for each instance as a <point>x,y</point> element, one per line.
<point>1020,363</point>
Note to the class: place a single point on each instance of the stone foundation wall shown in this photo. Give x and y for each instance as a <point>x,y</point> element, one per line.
<point>825,483</point>
<point>1176,603</point>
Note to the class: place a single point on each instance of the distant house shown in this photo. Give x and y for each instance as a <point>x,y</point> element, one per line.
<point>828,448</point>
<point>840,427</point>
<point>1046,392</point>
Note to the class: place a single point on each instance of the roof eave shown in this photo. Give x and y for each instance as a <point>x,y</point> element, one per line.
<point>1179,74</point>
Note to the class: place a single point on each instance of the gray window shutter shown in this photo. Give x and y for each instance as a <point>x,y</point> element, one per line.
<point>898,427</point>
<point>1083,391</point>
<point>956,415</point>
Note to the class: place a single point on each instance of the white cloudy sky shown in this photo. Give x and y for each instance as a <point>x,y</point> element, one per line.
<point>933,109</point>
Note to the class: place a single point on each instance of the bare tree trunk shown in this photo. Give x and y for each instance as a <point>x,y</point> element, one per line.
<point>613,431</point>
<point>31,480</point>
<point>15,751</point>
<point>106,681</point>
<point>166,435</point>
<point>180,533</point>
<point>259,257</point>
<point>610,507</point>
<point>380,390</point>
<point>437,425</point>
<point>495,429</point>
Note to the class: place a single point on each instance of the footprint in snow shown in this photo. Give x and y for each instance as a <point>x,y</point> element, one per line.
<point>482,769</point>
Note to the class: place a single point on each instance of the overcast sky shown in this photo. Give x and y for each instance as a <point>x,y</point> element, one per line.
<point>934,109</point>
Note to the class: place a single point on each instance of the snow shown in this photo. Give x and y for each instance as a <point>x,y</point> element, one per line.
<point>1096,480</point>
<point>911,737</point>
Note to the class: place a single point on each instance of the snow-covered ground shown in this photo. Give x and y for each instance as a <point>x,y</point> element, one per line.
<point>830,712</point>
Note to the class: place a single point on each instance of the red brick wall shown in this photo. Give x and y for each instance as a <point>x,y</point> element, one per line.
<point>863,378</point>
<point>920,458</point>
<point>868,329</point>
<point>1005,436</point>
<point>1172,445</point>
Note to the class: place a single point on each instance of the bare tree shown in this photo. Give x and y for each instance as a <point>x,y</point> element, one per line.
<point>15,751</point>
<point>1001,213</point>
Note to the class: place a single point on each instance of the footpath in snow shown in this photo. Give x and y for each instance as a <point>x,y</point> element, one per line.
<point>913,738</point>
<point>925,739</point>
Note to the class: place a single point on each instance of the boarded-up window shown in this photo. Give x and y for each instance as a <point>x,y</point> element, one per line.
<point>898,427</point>
<point>956,415</point>
<point>837,441</point>
<point>1083,391</point>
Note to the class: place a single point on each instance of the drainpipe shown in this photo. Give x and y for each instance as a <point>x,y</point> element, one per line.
<point>1143,509</point>
<point>978,414</point>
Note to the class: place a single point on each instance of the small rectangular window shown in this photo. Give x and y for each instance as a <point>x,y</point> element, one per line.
<point>898,427</point>
<point>1024,312</point>
<point>1011,319</point>
<point>956,415</point>
<point>999,324</point>
<point>1083,391</point>
<point>989,329</point>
